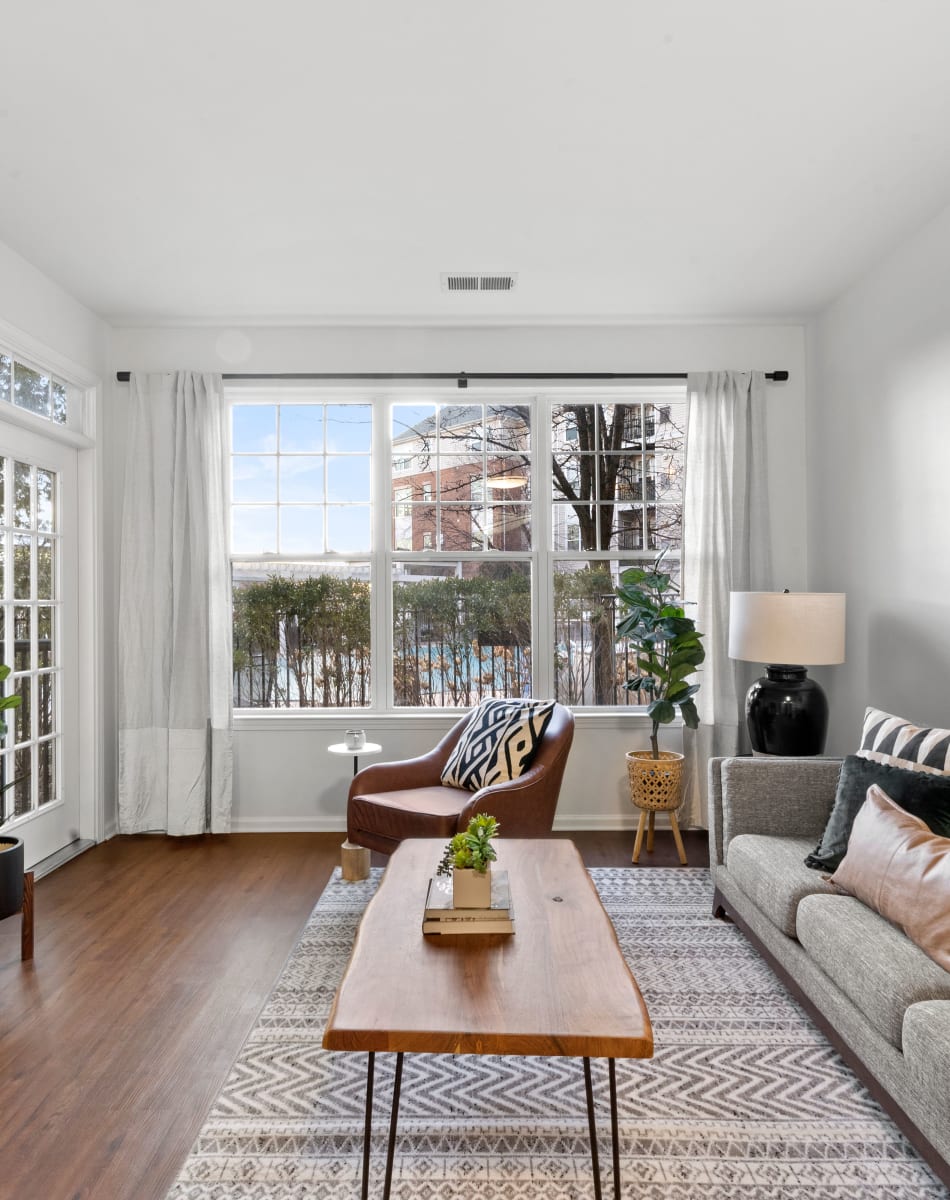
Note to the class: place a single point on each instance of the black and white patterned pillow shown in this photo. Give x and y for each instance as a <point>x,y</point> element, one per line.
<point>498,743</point>
<point>892,740</point>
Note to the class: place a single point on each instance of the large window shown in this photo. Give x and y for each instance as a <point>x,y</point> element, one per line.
<point>426,552</point>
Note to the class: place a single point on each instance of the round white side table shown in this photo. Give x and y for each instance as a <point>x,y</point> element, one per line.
<point>354,860</point>
<point>366,748</point>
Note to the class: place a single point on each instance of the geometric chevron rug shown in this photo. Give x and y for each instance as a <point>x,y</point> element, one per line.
<point>743,1099</point>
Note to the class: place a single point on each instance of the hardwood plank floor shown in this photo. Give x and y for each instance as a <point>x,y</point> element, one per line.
<point>153,958</point>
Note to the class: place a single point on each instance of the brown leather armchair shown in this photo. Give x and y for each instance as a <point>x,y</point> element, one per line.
<point>392,801</point>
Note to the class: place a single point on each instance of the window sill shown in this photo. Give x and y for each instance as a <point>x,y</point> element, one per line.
<point>337,722</point>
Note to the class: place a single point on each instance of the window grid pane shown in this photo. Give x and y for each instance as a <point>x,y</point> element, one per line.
<point>461,632</point>
<point>470,466</point>
<point>301,635</point>
<point>289,455</point>
<point>34,391</point>
<point>29,625</point>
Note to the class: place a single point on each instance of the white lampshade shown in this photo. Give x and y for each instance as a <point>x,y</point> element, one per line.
<point>801,628</point>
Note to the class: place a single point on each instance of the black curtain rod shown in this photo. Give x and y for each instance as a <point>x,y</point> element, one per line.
<point>462,378</point>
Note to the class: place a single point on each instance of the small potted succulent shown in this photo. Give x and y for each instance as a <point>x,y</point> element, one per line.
<point>469,856</point>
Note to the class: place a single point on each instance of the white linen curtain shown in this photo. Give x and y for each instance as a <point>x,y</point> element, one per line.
<point>725,549</point>
<point>174,641</point>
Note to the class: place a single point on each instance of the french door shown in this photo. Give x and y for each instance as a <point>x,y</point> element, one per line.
<point>38,639</point>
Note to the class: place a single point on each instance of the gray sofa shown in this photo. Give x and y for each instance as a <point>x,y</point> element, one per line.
<point>882,1001</point>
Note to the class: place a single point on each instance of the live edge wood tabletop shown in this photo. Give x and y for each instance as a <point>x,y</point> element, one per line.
<point>558,986</point>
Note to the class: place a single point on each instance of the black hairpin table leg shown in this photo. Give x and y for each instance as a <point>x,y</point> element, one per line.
<point>394,1118</point>
<point>595,1161</point>
<point>368,1125</point>
<point>614,1131</point>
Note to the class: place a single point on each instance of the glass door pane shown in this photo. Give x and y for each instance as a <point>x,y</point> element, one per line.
<point>30,534</point>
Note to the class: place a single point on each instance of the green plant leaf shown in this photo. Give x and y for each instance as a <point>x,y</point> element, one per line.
<point>689,714</point>
<point>662,711</point>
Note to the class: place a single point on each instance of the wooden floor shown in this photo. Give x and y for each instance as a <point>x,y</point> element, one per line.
<point>153,957</point>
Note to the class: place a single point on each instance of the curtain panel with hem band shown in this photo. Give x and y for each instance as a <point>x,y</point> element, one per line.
<point>174,647</point>
<point>725,548</point>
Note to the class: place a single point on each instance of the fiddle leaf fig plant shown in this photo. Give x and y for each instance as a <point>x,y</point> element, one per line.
<point>667,646</point>
<point>471,849</point>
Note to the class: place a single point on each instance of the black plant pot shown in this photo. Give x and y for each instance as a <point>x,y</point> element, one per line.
<point>11,876</point>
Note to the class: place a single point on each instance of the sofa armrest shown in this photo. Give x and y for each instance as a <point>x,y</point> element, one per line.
<point>784,797</point>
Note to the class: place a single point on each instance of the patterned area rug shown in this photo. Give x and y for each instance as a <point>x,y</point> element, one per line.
<point>744,1099</point>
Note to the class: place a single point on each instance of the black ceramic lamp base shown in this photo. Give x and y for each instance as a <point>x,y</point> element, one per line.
<point>787,713</point>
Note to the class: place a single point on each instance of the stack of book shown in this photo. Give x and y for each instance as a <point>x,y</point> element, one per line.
<point>441,917</point>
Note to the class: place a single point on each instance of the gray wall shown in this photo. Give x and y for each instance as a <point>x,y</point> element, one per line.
<point>878,454</point>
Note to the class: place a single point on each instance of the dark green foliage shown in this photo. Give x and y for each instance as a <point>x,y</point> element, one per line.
<point>668,649</point>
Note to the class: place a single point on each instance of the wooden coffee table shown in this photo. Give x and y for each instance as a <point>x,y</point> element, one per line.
<point>558,986</point>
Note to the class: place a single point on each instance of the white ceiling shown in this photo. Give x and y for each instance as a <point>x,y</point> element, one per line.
<point>299,159</point>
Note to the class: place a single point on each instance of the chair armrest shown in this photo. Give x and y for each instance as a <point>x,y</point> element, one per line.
<point>523,807</point>
<point>783,797</point>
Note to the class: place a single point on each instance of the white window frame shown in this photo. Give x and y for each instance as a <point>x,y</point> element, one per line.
<point>80,432</point>
<point>542,558</point>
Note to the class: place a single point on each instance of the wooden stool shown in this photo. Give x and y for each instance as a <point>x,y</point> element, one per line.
<point>354,862</point>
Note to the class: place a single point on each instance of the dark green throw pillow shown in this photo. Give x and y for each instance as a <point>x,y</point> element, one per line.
<point>922,795</point>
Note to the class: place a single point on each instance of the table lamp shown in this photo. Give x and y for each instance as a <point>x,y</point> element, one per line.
<point>787,712</point>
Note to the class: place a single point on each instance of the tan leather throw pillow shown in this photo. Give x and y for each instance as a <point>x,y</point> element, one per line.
<point>898,867</point>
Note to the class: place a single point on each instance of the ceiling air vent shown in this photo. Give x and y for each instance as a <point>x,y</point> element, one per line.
<point>468,282</point>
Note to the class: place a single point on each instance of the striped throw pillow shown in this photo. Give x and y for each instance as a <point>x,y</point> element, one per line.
<point>892,740</point>
<point>498,743</point>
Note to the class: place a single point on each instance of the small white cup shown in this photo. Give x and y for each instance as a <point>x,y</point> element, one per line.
<point>354,739</point>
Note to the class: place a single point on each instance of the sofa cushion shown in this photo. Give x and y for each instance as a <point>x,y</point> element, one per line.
<point>880,970</point>
<point>899,867</point>
<point>772,873</point>
<point>498,743</point>
<point>926,796</point>
<point>889,739</point>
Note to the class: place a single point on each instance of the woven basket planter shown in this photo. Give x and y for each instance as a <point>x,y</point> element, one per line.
<point>655,783</point>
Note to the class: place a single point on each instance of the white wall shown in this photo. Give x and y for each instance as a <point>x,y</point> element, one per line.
<point>285,779</point>
<point>48,325</point>
<point>879,484</point>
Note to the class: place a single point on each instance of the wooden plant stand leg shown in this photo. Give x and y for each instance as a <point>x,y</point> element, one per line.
<point>26,930</point>
<point>676,838</point>
<point>639,839</point>
<point>650,832</point>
